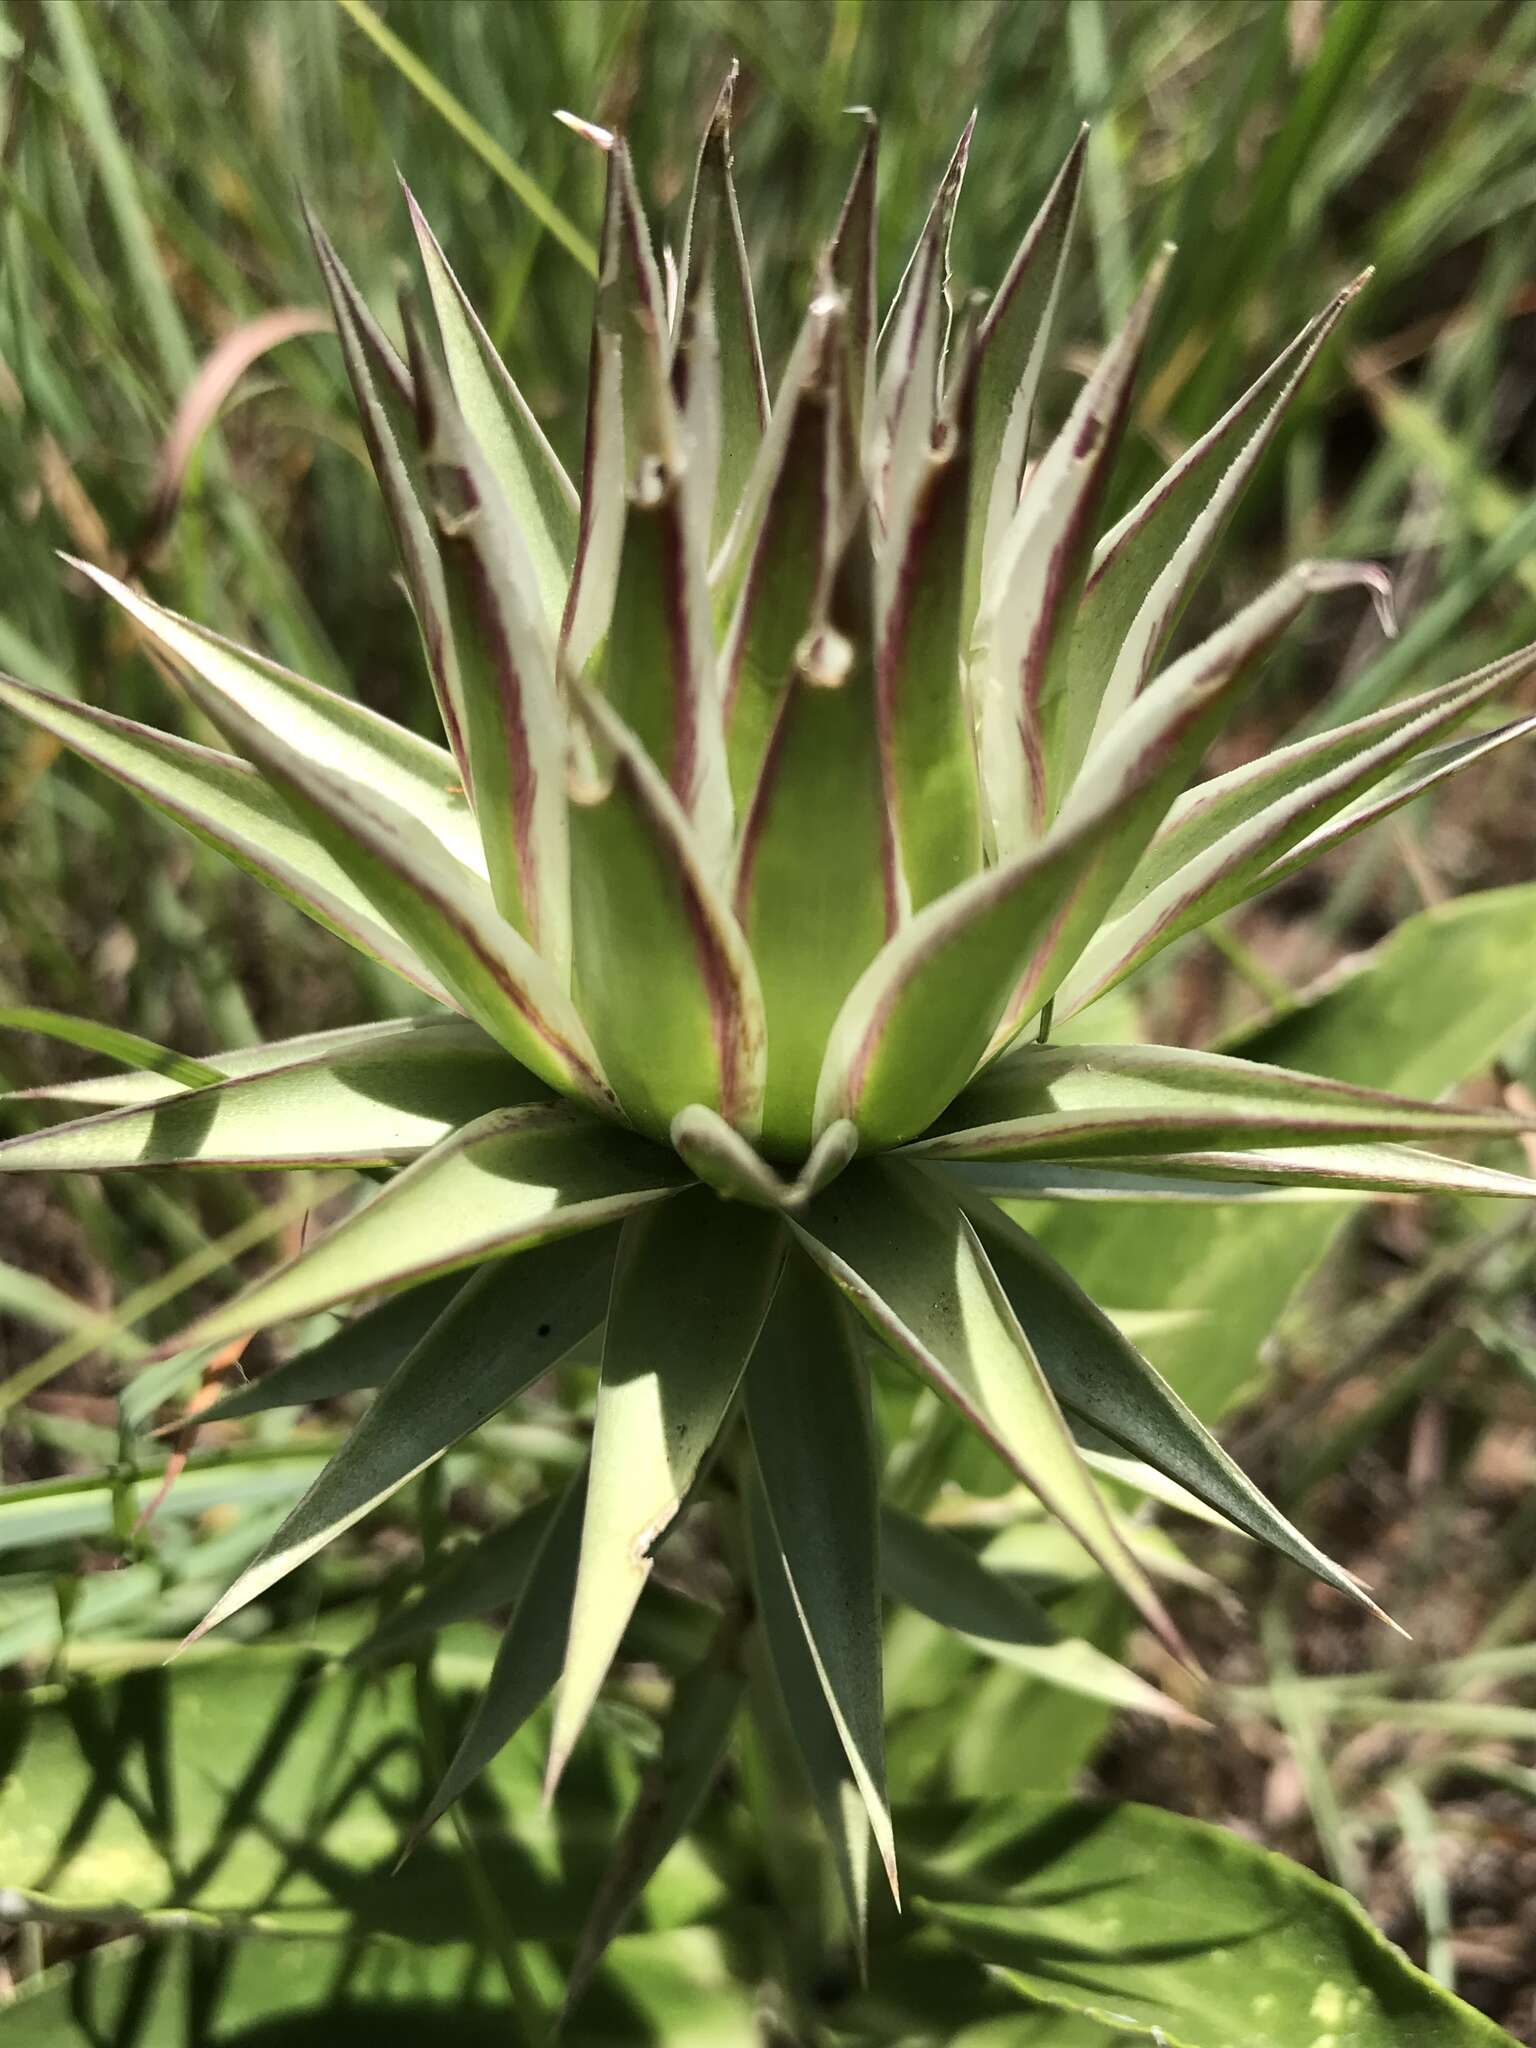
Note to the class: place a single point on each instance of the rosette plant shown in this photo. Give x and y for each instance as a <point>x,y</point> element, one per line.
<point>809,762</point>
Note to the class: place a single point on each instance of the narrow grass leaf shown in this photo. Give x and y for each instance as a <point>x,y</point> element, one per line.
<point>139,1055</point>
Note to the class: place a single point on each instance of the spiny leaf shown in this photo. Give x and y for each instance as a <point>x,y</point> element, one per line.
<point>537,491</point>
<point>1014,341</point>
<point>833,1787</point>
<point>1372,1169</point>
<point>228,806</point>
<point>927,740</point>
<point>335,733</point>
<point>386,1102</point>
<point>648,914</point>
<point>1089,1101</point>
<point>359,1356</point>
<point>385,397</point>
<point>850,266</point>
<point>1100,1377</point>
<point>1027,717</point>
<point>434,900</point>
<point>807,1404</point>
<point>713,210</point>
<point>513,726</point>
<point>1221,843</point>
<point>933,1571</point>
<point>515,1179</point>
<point>529,1657</point>
<point>690,1291</point>
<point>500,1333</point>
<point>900,1247</point>
<point>1145,568</point>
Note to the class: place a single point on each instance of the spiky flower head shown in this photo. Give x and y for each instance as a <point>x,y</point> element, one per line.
<point>802,766</point>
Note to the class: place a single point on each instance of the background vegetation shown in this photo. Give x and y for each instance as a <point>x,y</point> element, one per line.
<point>1374,1362</point>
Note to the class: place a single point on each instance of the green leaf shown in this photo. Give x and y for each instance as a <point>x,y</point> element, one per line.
<point>500,1333</point>
<point>391,1101</point>
<point>807,1404</point>
<point>1102,1379</point>
<point>1372,1169</point>
<point>1145,567</point>
<point>850,265</point>
<point>690,1291</point>
<point>228,806</point>
<point>335,733</point>
<point>816,888</point>
<point>648,913</point>
<point>416,881</point>
<point>1027,718</point>
<point>627,401</point>
<point>1015,338</point>
<point>513,725</point>
<point>694,1742</point>
<point>139,1054</point>
<point>515,1179</point>
<point>834,1790</point>
<point>743,385</point>
<point>537,491</point>
<point>932,1570</point>
<point>1101,1101</point>
<point>359,1356</point>
<point>927,741</point>
<point>787,540</point>
<point>530,1654</point>
<point>386,399</point>
<point>1229,1942</point>
<point>901,1249</point>
<point>88,1509</point>
<point>1228,839</point>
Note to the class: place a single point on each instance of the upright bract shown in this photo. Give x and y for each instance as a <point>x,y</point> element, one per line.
<point>796,766</point>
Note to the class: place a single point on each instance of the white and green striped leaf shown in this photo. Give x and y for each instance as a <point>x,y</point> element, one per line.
<point>1027,718</point>
<point>1014,341</point>
<point>900,1247</point>
<point>500,1333</point>
<point>385,396</point>
<point>807,1405</point>
<point>513,723</point>
<point>228,806</point>
<point>1229,838</point>
<point>1092,1101</point>
<point>515,1179</point>
<point>337,734</point>
<point>1146,566</point>
<point>1368,1169</point>
<point>385,1104</point>
<point>536,489</point>
<point>690,1290</point>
